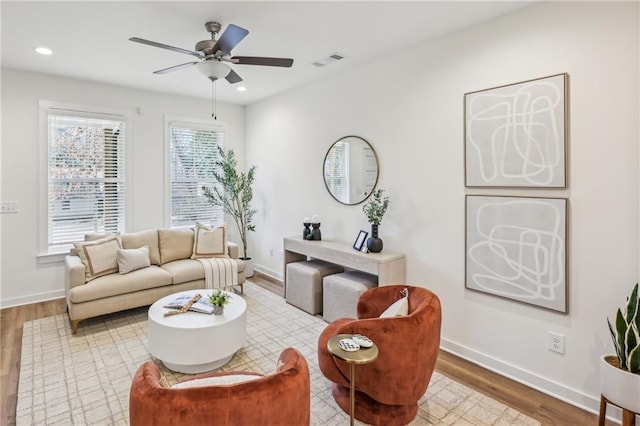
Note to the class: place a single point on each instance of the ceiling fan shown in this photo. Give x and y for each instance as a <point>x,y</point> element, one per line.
<point>213,55</point>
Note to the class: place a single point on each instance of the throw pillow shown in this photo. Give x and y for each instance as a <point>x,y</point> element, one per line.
<point>130,260</point>
<point>228,379</point>
<point>398,308</point>
<point>99,257</point>
<point>143,238</point>
<point>209,241</point>
<point>175,244</point>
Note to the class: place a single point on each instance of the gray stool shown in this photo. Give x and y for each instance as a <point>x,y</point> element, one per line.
<point>304,283</point>
<point>341,292</point>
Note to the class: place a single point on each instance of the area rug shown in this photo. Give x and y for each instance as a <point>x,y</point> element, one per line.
<point>84,379</point>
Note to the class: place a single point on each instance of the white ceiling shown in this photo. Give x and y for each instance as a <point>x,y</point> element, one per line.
<point>90,39</point>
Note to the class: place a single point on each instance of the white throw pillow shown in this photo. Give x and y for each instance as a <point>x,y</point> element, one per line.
<point>99,257</point>
<point>398,308</point>
<point>130,260</point>
<point>229,379</point>
<point>209,241</point>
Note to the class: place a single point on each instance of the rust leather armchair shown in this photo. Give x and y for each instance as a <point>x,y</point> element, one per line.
<point>281,398</point>
<point>388,389</point>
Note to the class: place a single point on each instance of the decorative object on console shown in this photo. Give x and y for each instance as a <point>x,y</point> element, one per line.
<point>350,170</point>
<point>503,237</point>
<point>515,135</point>
<point>315,224</point>
<point>375,209</point>
<point>360,239</point>
<point>620,373</point>
<point>218,299</point>
<point>234,194</point>
<point>306,231</point>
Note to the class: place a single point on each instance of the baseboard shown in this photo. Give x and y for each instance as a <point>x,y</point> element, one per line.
<point>269,272</point>
<point>34,298</point>
<point>550,387</point>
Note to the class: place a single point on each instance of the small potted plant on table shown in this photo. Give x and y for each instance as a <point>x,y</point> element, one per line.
<point>375,208</point>
<point>219,299</point>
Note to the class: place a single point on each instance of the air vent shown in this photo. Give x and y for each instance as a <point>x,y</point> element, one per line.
<point>334,57</point>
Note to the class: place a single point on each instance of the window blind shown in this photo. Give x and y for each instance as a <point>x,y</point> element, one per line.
<point>86,175</point>
<point>193,154</point>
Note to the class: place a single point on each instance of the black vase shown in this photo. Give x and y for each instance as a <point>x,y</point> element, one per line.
<point>374,244</point>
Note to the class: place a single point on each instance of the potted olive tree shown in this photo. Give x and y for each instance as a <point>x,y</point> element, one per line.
<point>234,194</point>
<point>620,373</point>
<point>375,209</point>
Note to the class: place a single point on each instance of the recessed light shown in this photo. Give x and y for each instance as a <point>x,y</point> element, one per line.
<point>241,89</point>
<point>43,51</point>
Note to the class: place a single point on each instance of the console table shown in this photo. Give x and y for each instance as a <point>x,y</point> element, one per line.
<point>389,267</point>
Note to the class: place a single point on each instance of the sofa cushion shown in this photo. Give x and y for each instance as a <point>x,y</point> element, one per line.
<point>184,270</point>
<point>116,284</point>
<point>209,241</point>
<point>175,244</point>
<point>130,260</point>
<point>143,238</point>
<point>99,257</point>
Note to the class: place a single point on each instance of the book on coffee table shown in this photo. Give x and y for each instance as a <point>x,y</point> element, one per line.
<point>202,306</point>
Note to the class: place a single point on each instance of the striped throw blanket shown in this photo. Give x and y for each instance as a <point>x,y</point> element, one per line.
<point>219,272</point>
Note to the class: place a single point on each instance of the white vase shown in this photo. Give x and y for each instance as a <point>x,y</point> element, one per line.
<point>619,386</point>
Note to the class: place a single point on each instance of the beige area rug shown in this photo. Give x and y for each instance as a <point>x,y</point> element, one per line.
<point>84,379</point>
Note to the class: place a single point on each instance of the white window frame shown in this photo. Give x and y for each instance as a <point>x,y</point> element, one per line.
<point>188,122</point>
<point>48,254</point>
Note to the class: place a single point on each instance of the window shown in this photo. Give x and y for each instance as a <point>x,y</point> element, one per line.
<point>336,171</point>
<point>193,152</point>
<point>85,175</point>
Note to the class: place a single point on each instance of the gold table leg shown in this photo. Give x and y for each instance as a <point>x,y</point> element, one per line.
<point>352,395</point>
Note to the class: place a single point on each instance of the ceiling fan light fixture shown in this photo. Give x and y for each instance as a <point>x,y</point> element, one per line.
<point>214,70</point>
<point>241,89</point>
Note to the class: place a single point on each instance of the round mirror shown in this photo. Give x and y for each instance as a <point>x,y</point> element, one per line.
<point>350,170</point>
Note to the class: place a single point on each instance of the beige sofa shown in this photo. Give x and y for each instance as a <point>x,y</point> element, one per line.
<point>171,270</point>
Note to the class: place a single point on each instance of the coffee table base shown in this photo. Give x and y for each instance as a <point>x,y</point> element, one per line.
<point>200,368</point>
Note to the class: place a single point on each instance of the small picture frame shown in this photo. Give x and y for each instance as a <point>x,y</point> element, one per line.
<point>362,237</point>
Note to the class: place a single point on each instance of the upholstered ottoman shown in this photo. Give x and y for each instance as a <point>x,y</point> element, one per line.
<point>340,293</point>
<point>304,283</point>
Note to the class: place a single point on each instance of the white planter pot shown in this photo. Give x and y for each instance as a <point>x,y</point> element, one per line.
<point>248,267</point>
<point>619,386</point>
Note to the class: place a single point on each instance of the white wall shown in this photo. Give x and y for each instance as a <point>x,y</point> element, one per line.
<point>409,105</point>
<point>24,279</point>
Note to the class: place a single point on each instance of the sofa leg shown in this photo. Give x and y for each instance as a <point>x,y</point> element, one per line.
<point>241,288</point>
<point>74,326</point>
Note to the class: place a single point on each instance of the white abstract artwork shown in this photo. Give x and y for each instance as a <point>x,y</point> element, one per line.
<point>515,248</point>
<point>515,134</point>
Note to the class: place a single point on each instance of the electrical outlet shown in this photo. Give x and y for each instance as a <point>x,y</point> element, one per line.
<point>271,252</point>
<point>556,342</point>
<point>9,207</point>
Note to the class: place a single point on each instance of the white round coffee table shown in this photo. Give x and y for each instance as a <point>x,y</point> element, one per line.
<point>193,342</point>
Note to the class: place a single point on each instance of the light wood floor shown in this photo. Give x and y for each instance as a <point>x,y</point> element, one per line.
<point>547,410</point>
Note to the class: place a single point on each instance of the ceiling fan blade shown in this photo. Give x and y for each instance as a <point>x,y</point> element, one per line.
<point>258,60</point>
<point>166,46</point>
<point>175,68</point>
<point>233,77</point>
<point>230,39</point>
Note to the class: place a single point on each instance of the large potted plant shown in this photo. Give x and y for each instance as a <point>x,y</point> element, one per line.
<point>234,194</point>
<point>375,209</point>
<point>620,373</point>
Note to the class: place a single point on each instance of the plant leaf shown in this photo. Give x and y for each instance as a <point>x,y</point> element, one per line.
<point>632,304</point>
<point>615,340</point>
<point>634,360</point>
<point>621,329</point>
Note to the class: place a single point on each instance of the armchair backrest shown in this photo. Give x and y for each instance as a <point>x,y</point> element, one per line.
<point>408,345</point>
<point>273,399</point>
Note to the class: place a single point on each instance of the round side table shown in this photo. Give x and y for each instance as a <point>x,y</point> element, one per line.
<point>361,356</point>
